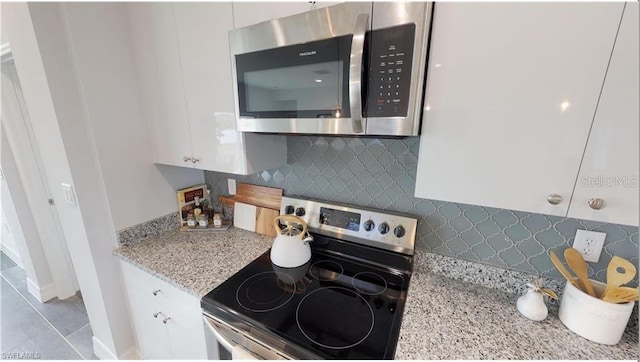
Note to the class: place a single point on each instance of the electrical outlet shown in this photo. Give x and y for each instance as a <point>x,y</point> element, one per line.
<point>231,185</point>
<point>589,244</point>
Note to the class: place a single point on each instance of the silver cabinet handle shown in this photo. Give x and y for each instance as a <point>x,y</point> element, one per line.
<point>186,159</point>
<point>597,204</point>
<point>554,199</point>
<point>355,71</point>
<point>195,160</point>
<point>165,320</point>
<point>156,314</point>
<point>155,292</point>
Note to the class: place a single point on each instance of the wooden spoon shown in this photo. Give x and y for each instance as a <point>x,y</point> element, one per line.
<point>616,278</point>
<point>620,295</point>
<point>564,271</point>
<point>577,263</point>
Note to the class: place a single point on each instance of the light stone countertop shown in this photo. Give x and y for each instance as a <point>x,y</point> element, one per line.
<point>443,319</point>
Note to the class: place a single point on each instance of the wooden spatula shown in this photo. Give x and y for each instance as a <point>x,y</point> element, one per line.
<point>620,295</point>
<point>619,272</point>
<point>564,271</point>
<point>577,263</point>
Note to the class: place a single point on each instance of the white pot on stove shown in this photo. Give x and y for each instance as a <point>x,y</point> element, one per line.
<point>290,248</point>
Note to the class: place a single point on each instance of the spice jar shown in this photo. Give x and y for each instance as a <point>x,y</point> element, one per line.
<point>217,221</point>
<point>203,222</point>
<point>191,221</point>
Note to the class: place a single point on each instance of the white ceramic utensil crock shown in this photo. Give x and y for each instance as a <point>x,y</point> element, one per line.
<point>291,247</point>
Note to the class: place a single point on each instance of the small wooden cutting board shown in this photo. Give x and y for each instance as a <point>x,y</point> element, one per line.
<point>267,206</point>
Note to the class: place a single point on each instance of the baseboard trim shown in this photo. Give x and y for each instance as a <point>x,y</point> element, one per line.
<point>42,294</point>
<point>12,254</point>
<point>103,352</point>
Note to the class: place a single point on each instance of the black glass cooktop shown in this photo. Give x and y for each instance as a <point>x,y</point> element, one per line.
<point>333,307</point>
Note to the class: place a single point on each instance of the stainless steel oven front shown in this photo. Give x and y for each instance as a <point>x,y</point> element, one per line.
<point>349,69</point>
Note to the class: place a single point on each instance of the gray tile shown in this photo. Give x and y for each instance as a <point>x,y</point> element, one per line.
<point>536,223</point>
<point>16,277</point>
<point>50,346</point>
<point>20,322</point>
<point>517,232</point>
<point>381,173</point>
<point>476,214</point>
<point>6,262</point>
<point>82,341</point>
<point>67,316</point>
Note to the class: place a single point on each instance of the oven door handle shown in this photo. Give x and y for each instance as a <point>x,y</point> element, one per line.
<point>355,71</point>
<point>221,339</point>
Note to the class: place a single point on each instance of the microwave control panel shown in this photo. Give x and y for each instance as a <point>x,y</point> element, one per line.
<point>390,61</point>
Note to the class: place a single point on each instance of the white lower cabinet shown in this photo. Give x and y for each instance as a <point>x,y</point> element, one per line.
<point>167,321</point>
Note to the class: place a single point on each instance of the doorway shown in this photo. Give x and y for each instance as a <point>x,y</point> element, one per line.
<point>44,255</point>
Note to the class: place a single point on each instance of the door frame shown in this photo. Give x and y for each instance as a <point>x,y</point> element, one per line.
<point>33,177</point>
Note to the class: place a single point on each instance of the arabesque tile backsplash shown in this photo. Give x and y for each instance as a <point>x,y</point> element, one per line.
<point>381,173</point>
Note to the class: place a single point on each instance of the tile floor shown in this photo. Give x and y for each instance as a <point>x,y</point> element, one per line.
<point>57,329</point>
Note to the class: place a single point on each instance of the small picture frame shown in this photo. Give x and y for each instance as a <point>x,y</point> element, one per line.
<point>186,200</point>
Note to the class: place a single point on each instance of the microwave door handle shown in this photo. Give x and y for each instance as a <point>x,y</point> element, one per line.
<point>355,71</point>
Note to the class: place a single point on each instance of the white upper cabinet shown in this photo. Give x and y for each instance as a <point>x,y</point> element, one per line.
<point>249,13</point>
<point>203,41</point>
<point>512,90</point>
<point>181,51</point>
<point>610,167</point>
<point>155,49</point>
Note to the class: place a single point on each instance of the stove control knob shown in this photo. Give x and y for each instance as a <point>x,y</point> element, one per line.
<point>299,211</point>
<point>369,225</point>
<point>288,210</point>
<point>399,231</point>
<point>383,228</point>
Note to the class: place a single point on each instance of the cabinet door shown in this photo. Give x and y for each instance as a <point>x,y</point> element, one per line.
<point>187,339</point>
<point>203,40</point>
<point>512,90</point>
<point>610,167</point>
<point>249,13</point>
<point>157,59</point>
<point>152,336</point>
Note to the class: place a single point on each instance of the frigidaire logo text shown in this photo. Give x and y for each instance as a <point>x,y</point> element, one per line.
<point>305,54</point>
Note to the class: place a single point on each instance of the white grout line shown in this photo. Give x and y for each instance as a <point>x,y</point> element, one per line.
<point>43,317</point>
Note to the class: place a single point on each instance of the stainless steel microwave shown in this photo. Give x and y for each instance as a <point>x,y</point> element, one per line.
<point>349,69</point>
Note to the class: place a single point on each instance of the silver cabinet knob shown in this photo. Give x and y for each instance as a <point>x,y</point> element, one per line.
<point>554,199</point>
<point>165,320</point>
<point>156,314</point>
<point>195,160</point>
<point>186,159</point>
<point>597,204</point>
<point>155,292</point>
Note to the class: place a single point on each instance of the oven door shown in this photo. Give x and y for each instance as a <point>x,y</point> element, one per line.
<point>302,74</point>
<point>225,342</point>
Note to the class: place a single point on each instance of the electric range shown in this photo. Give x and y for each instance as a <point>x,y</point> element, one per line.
<point>345,303</point>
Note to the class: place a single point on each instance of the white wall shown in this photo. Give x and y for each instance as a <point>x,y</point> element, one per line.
<point>137,190</point>
<point>75,66</point>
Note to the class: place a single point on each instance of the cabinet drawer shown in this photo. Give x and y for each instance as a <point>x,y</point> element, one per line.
<point>158,293</point>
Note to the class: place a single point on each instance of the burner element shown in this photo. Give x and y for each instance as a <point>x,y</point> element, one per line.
<point>326,270</point>
<point>369,283</point>
<point>335,317</point>
<point>264,292</point>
